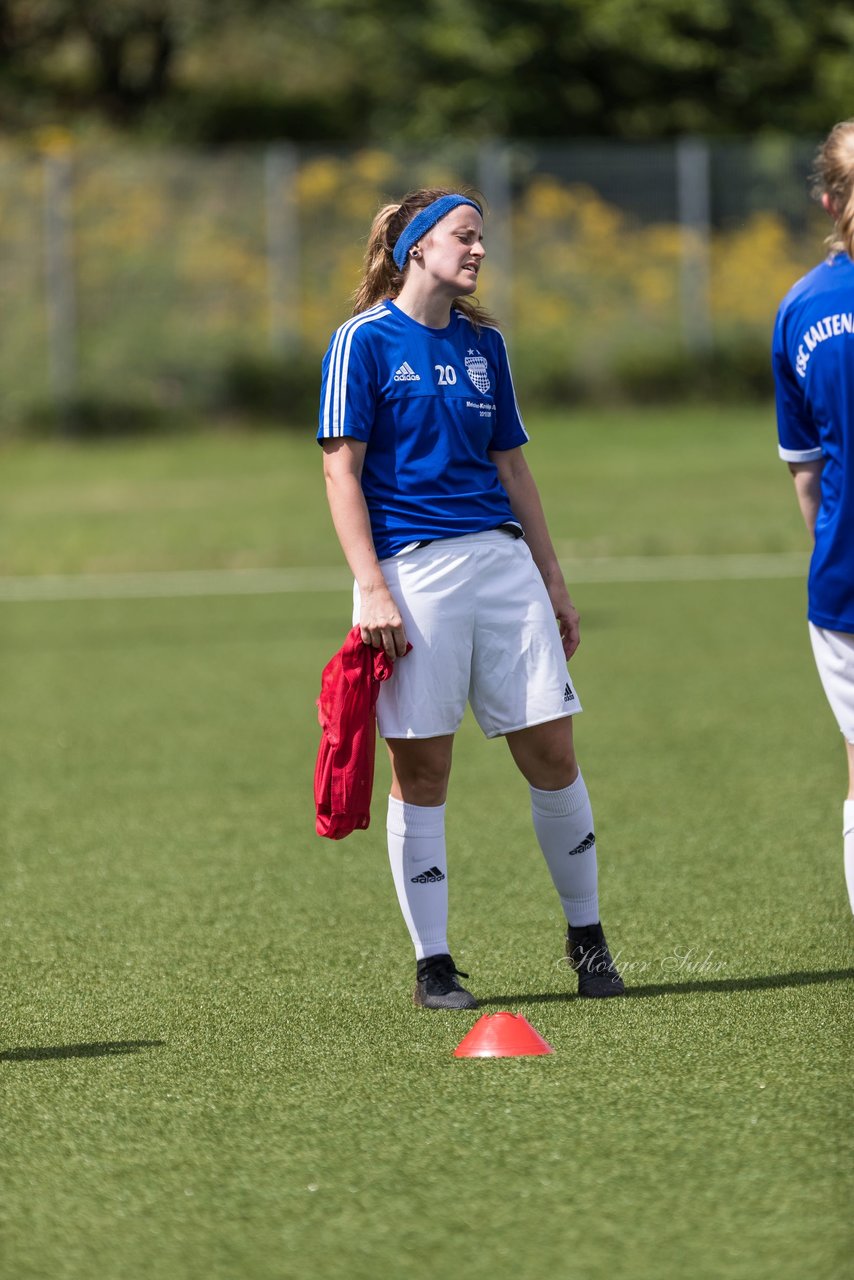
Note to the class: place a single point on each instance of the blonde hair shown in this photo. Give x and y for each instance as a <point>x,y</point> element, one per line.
<point>381,277</point>
<point>833,175</point>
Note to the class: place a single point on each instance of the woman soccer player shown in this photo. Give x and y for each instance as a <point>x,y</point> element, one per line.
<point>813,357</point>
<point>441,523</point>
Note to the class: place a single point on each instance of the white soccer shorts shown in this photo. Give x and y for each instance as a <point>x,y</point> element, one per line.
<point>483,631</point>
<point>834,657</point>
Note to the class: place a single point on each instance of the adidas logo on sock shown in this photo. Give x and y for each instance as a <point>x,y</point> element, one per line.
<point>568,695</point>
<point>429,877</point>
<point>406,373</point>
<point>587,843</point>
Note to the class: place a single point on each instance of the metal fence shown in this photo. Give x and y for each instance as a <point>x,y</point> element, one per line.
<point>143,275</point>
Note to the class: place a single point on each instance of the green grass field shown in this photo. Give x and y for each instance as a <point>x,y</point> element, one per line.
<point>210,1062</point>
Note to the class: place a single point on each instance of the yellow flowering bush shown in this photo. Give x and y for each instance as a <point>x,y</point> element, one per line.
<point>753,267</point>
<point>172,276</point>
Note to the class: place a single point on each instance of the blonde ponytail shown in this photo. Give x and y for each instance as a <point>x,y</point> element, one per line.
<point>843,241</point>
<point>380,276</point>
<point>833,175</point>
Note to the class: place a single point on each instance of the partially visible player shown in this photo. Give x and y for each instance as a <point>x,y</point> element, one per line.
<point>813,356</point>
<point>441,523</point>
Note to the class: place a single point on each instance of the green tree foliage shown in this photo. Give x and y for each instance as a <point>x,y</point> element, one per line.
<point>377,70</point>
<point>119,53</point>
<point>629,68</point>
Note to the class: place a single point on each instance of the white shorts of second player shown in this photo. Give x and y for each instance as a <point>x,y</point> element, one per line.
<point>483,631</point>
<point>834,657</point>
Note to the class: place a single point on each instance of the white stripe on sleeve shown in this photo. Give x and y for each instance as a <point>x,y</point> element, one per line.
<point>335,400</point>
<point>800,455</point>
<point>510,376</point>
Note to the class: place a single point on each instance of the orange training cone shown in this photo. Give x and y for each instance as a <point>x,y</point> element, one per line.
<point>502,1035</point>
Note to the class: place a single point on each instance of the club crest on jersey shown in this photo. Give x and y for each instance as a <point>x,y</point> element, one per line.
<point>478,370</point>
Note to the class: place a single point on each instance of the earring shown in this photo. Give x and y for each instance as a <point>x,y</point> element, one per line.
<point>415,253</point>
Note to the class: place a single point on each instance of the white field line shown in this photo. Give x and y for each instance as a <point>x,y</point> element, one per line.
<point>256,582</point>
<point>758,567</point>
<point>178,583</point>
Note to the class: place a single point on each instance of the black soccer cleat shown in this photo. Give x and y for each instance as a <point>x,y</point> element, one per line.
<point>588,954</point>
<point>437,987</point>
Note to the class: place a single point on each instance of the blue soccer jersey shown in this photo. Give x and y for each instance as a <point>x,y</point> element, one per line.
<point>430,403</point>
<point>813,356</point>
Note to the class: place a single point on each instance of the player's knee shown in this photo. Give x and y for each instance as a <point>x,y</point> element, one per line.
<point>425,789</point>
<point>556,771</point>
<point>422,778</point>
<point>545,754</point>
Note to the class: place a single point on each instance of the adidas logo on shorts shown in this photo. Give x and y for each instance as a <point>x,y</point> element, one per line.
<point>406,373</point>
<point>568,695</point>
<point>587,843</point>
<point>429,877</point>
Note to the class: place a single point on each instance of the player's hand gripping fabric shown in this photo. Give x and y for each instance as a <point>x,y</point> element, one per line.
<point>380,621</point>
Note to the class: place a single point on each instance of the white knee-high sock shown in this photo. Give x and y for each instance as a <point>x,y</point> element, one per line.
<point>848,845</point>
<point>563,821</point>
<point>416,852</point>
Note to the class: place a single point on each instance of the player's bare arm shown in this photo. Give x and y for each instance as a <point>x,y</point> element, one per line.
<point>521,489</point>
<point>379,619</point>
<point>807,478</point>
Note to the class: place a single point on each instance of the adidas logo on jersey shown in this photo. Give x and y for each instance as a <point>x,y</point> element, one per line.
<point>429,877</point>
<point>568,695</point>
<point>406,373</point>
<point>587,843</point>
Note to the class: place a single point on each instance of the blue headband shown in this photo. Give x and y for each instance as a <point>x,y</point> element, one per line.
<point>424,222</point>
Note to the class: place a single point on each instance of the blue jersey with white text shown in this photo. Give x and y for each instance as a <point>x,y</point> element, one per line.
<point>431,404</point>
<point>813,357</point>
